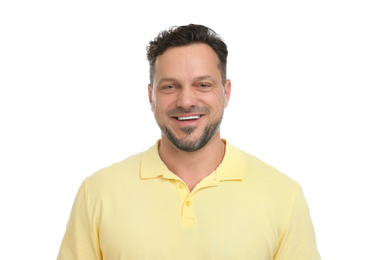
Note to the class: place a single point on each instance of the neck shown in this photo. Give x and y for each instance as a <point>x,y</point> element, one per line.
<point>192,167</point>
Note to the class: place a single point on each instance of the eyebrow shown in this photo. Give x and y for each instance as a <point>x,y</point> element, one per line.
<point>167,79</point>
<point>195,79</point>
<point>204,77</point>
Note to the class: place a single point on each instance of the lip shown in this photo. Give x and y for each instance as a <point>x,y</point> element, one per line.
<point>187,115</point>
<point>187,123</point>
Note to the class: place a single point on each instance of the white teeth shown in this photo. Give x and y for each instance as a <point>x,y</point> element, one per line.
<point>188,118</point>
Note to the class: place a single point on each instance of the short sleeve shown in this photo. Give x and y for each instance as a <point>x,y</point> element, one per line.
<point>298,241</point>
<point>80,241</point>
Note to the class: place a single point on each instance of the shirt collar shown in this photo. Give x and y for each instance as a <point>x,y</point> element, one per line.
<point>231,167</point>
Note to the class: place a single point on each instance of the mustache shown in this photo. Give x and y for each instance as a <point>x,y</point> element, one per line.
<point>181,110</point>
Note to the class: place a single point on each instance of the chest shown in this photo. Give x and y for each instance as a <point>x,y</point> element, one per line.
<point>213,223</point>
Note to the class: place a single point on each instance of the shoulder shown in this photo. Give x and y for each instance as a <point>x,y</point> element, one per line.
<point>264,176</point>
<point>125,171</point>
<point>260,169</point>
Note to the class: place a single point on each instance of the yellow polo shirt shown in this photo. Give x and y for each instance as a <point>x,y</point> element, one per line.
<point>138,209</point>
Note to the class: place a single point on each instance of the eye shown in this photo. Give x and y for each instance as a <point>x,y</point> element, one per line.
<point>204,86</point>
<point>169,88</point>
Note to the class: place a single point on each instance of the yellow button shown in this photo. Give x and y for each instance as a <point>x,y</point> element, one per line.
<point>181,186</point>
<point>188,203</point>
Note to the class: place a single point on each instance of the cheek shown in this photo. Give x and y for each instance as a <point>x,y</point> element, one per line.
<point>162,104</point>
<point>216,102</point>
<point>158,109</point>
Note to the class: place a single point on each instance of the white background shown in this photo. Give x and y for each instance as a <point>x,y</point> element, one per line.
<point>74,75</point>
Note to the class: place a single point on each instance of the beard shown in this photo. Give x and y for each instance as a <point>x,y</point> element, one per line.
<point>192,145</point>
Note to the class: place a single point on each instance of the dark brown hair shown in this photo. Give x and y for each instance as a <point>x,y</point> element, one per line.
<point>186,35</point>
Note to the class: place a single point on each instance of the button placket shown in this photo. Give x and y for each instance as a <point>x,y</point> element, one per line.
<point>182,190</point>
<point>187,214</point>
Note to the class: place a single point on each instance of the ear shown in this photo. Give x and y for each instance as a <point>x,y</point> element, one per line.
<point>227,91</point>
<point>150,97</point>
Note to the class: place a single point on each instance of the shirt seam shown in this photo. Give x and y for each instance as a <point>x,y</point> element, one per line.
<point>88,214</point>
<point>288,218</point>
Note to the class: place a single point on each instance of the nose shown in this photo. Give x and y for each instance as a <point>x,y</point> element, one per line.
<point>187,97</point>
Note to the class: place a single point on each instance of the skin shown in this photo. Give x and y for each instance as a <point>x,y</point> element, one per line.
<point>187,82</point>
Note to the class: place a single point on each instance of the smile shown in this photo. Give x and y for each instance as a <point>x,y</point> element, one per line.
<point>185,118</point>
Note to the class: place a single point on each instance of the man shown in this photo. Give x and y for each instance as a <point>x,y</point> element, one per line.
<point>192,195</point>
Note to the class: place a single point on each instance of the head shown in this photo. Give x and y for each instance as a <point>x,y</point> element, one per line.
<point>188,90</point>
<point>187,35</point>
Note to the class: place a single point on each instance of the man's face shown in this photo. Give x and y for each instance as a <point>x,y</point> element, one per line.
<point>188,97</point>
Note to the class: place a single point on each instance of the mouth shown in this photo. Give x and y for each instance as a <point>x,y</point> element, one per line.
<point>187,123</point>
<point>188,118</point>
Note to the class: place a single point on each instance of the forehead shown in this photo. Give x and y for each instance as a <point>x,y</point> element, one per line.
<point>187,61</point>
